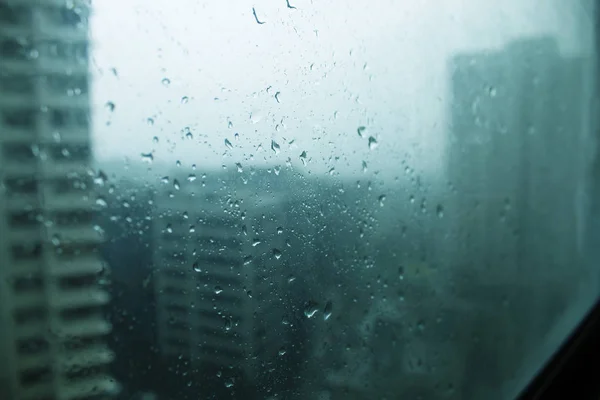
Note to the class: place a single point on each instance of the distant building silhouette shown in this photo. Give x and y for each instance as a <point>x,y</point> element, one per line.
<point>218,254</point>
<point>512,166</point>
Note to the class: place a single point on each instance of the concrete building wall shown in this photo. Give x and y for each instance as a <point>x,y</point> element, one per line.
<point>216,255</point>
<point>53,330</point>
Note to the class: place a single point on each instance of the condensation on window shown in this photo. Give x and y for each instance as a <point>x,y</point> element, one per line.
<point>293,199</point>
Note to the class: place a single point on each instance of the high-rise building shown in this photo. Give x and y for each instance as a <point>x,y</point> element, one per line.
<point>514,116</point>
<point>52,328</point>
<point>517,114</point>
<point>219,253</point>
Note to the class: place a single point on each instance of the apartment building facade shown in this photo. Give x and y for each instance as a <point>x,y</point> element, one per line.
<point>53,334</point>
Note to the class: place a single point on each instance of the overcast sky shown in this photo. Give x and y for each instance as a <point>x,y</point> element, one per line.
<point>311,75</point>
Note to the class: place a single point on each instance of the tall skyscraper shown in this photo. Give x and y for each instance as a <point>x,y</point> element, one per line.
<point>52,328</point>
<point>218,256</point>
<point>513,161</point>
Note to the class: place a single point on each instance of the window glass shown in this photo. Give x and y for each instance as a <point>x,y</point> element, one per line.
<point>294,199</point>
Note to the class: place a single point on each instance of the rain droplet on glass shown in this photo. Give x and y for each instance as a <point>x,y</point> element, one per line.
<point>147,157</point>
<point>372,143</point>
<point>361,130</point>
<point>328,310</point>
<point>310,309</point>
<point>275,147</point>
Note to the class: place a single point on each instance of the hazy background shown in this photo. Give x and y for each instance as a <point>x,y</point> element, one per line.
<point>334,65</point>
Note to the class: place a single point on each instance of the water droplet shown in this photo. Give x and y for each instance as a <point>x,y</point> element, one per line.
<point>236,136</point>
<point>228,324</point>
<point>247,260</point>
<point>229,383</point>
<point>192,229</point>
<point>361,130</point>
<point>114,71</point>
<point>303,157</point>
<point>291,278</point>
<point>492,91</point>
<point>401,272</point>
<point>331,171</point>
<point>55,240</point>
<point>185,215</point>
<point>440,211</point>
<point>110,106</point>
<point>256,116</point>
<point>310,309</point>
<point>228,144</point>
<point>239,167</point>
<point>277,254</point>
<point>249,293</point>
<point>218,290</point>
<point>150,122</point>
<point>411,199</point>
<point>229,124</point>
<point>184,100</point>
<point>277,169</point>
<point>279,230</point>
<point>277,97</point>
<point>381,200</point>
<point>275,147</point>
<point>281,352</point>
<point>101,202</point>
<point>328,310</point>
<point>166,81</point>
<point>255,242</point>
<point>169,229</point>
<point>244,230</point>
<point>196,267</point>
<point>176,184</point>
<point>100,179</point>
<point>147,157</point>
<point>256,17</point>
<point>164,179</point>
<point>188,134</point>
<point>191,177</point>
<point>372,143</point>
<point>178,163</point>
<point>364,166</point>
<point>155,140</point>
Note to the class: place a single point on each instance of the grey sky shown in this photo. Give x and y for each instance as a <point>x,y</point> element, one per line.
<point>335,64</point>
